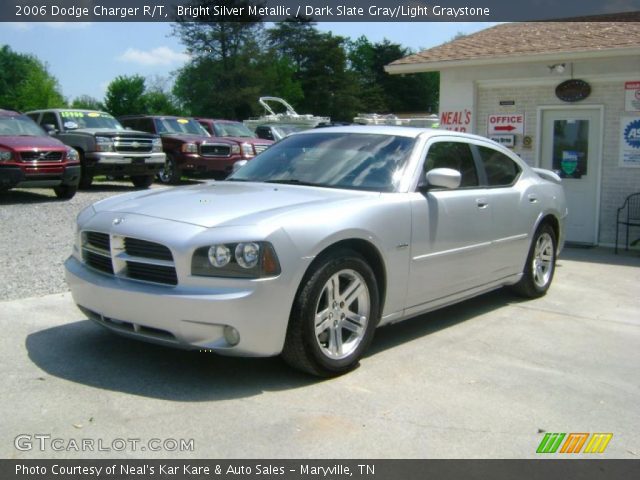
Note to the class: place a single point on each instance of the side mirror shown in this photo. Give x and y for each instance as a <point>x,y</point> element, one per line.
<point>50,128</point>
<point>443,177</point>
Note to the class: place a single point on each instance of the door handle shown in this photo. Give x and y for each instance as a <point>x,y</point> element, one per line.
<point>532,198</point>
<point>482,203</point>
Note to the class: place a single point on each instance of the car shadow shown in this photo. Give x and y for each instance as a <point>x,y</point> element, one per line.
<point>85,353</point>
<point>11,197</point>
<point>391,336</point>
<point>601,255</point>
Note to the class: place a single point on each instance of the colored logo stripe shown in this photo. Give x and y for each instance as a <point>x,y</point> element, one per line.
<point>598,442</point>
<point>550,442</point>
<point>574,443</point>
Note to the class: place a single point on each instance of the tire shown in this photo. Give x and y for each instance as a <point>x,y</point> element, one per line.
<point>170,173</point>
<point>331,324</point>
<point>142,181</point>
<point>541,264</point>
<point>86,174</point>
<point>65,192</point>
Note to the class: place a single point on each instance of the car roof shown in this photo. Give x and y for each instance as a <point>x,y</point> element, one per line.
<point>142,115</point>
<point>9,113</point>
<point>412,132</point>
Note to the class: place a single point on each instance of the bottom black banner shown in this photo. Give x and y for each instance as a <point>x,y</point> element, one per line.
<point>321,469</point>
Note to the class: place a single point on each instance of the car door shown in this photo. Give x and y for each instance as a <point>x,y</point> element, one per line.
<point>450,228</point>
<point>511,213</point>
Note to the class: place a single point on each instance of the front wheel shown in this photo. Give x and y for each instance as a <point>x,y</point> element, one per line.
<point>541,264</point>
<point>65,192</point>
<point>170,173</point>
<point>334,316</point>
<point>142,181</point>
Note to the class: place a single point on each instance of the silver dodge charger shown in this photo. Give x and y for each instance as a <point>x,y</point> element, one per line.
<point>322,238</point>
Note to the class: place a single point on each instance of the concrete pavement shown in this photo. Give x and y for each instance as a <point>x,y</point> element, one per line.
<point>483,379</point>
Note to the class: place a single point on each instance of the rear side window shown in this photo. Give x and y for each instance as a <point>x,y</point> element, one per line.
<point>49,118</point>
<point>500,169</point>
<point>455,155</point>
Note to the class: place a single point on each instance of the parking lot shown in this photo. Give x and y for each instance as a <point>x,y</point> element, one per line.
<point>483,379</point>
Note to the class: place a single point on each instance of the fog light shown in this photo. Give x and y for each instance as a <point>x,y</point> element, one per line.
<point>231,335</point>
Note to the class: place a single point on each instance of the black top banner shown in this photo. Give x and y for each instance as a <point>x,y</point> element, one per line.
<point>316,10</point>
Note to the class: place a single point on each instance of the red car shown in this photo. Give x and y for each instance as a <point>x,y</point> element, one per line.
<point>249,144</point>
<point>31,158</point>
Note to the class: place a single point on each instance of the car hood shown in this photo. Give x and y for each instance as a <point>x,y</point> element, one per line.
<point>105,132</point>
<point>176,137</point>
<point>31,142</point>
<point>250,140</point>
<point>226,203</point>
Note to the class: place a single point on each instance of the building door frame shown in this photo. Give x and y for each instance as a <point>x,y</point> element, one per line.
<point>600,151</point>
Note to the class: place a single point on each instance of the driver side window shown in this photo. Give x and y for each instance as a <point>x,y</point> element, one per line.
<point>455,155</point>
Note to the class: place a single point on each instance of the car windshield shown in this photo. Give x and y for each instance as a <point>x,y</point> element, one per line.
<point>356,161</point>
<point>74,119</point>
<point>19,126</point>
<point>232,129</point>
<point>180,126</point>
<point>284,130</point>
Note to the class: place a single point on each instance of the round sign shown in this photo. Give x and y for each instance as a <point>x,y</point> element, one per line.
<point>573,90</point>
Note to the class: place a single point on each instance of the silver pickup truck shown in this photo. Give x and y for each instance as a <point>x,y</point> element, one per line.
<point>104,145</point>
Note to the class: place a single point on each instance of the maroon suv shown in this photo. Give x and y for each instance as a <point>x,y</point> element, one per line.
<point>248,142</point>
<point>189,148</point>
<point>31,158</point>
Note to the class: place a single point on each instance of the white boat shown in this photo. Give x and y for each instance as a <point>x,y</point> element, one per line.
<point>425,121</point>
<point>289,116</point>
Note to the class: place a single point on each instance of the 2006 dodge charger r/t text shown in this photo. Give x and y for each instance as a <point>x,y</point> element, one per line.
<point>317,241</point>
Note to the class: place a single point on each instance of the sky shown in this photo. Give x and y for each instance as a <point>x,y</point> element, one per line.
<point>86,57</point>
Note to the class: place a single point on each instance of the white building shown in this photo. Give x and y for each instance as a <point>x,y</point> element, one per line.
<point>565,95</point>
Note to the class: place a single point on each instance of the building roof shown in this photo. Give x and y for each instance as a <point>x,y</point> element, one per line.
<point>517,41</point>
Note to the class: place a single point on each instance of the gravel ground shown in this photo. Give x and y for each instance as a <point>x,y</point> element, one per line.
<point>36,236</point>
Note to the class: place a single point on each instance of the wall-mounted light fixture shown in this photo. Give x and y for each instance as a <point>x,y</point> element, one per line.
<point>556,68</point>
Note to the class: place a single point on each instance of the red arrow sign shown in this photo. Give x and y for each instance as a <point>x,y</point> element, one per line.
<point>505,128</point>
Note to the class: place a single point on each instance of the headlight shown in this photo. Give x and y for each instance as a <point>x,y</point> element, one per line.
<point>247,150</point>
<point>219,256</point>
<point>235,149</point>
<point>237,260</point>
<point>189,148</point>
<point>5,155</point>
<point>156,145</point>
<point>104,144</point>
<point>72,155</point>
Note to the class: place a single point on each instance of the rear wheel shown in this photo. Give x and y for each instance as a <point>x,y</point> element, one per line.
<point>65,192</point>
<point>541,264</point>
<point>170,173</point>
<point>334,316</point>
<point>142,181</point>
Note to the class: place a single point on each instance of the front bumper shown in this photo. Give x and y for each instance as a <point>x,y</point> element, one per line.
<point>126,163</point>
<point>38,176</point>
<point>193,162</point>
<point>190,317</point>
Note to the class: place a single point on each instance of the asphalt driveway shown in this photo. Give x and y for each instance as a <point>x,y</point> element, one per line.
<point>483,379</point>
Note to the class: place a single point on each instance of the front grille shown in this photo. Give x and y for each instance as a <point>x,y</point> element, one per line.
<point>132,145</point>
<point>129,258</point>
<point>97,261</point>
<point>142,248</point>
<point>99,240</point>
<point>260,147</point>
<point>152,273</point>
<point>36,156</point>
<point>215,150</point>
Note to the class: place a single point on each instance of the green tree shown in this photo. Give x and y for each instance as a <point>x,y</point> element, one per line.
<point>25,83</point>
<point>87,102</point>
<point>125,95</point>
<point>384,93</point>
<point>223,78</point>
